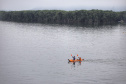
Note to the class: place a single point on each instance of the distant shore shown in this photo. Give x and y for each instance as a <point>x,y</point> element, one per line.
<point>65,17</point>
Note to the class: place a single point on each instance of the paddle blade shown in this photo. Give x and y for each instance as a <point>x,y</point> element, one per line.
<point>71,54</point>
<point>77,54</point>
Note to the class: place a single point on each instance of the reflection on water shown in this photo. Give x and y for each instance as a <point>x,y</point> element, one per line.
<point>38,53</point>
<point>74,64</point>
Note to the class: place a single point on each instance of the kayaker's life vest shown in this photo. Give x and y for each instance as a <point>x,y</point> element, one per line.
<point>73,58</point>
<point>79,58</point>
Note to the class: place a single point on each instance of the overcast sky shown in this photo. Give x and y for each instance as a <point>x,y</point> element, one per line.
<point>115,5</point>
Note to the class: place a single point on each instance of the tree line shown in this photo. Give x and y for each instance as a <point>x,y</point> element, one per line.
<point>60,16</point>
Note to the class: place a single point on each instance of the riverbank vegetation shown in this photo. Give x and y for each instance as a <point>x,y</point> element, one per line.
<point>65,17</point>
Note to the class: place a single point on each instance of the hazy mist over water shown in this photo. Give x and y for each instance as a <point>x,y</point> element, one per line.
<point>38,54</point>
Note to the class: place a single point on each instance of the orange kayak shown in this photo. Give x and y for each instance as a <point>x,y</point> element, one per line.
<point>76,60</point>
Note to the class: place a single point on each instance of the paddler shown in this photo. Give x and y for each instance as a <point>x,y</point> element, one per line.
<point>79,58</point>
<point>73,57</point>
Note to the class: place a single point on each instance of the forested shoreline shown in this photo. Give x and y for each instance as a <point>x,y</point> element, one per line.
<point>66,17</point>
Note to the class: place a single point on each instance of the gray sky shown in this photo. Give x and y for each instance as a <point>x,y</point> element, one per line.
<point>116,5</point>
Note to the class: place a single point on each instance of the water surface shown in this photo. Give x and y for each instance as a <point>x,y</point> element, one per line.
<point>39,53</point>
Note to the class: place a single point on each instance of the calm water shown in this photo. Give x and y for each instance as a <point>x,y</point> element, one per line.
<point>38,54</point>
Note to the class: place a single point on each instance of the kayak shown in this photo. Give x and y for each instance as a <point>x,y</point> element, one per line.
<point>76,60</point>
